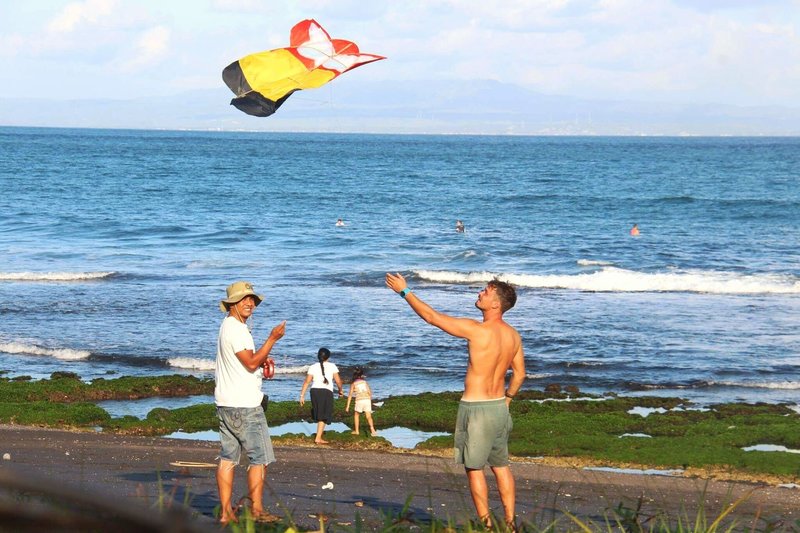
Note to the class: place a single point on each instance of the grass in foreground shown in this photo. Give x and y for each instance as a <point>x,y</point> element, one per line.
<point>619,519</point>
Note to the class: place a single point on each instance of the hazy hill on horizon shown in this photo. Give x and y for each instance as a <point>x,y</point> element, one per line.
<point>448,107</point>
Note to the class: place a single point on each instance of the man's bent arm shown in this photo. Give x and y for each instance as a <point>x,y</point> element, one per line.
<point>252,360</point>
<point>518,373</point>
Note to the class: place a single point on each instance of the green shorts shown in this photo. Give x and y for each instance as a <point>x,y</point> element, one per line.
<point>481,436</point>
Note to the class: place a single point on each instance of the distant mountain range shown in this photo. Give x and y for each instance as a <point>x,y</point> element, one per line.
<point>452,107</point>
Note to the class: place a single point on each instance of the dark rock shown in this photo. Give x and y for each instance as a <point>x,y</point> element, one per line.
<point>64,375</point>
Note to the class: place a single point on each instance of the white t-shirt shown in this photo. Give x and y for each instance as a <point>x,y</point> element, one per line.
<point>315,371</point>
<point>235,385</point>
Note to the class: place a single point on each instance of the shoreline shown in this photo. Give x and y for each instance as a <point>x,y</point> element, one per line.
<point>137,469</point>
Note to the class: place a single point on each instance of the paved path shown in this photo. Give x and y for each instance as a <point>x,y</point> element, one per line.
<point>373,484</point>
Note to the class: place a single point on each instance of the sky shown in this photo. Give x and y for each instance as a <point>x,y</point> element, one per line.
<point>737,52</point>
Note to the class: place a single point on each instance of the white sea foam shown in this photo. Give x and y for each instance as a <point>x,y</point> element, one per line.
<point>54,276</point>
<point>192,363</point>
<point>431,369</point>
<point>538,376</point>
<point>204,264</point>
<point>586,362</point>
<point>613,279</point>
<point>777,385</point>
<point>593,262</point>
<point>637,435</point>
<point>65,354</point>
<point>302,369</point>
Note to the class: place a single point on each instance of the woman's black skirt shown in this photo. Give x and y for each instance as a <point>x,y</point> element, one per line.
<point>322,405</point>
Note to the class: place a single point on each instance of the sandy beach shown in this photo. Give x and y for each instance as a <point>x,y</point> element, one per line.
<point>135,470</point>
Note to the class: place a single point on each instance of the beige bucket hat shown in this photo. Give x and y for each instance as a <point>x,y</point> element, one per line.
<point>237,291</point>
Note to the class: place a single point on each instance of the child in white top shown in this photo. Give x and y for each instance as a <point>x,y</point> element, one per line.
<point>363,395</point>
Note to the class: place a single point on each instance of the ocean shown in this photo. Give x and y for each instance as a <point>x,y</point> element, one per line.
<point>117,246</point>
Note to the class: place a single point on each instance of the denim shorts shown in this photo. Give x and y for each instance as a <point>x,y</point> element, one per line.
<point>244,427</point>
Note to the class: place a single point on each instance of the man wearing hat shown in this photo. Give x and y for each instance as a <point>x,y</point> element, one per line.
<point>238,396</point>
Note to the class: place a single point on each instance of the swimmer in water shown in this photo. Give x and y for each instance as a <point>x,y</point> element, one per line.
<point>635,230</point>
<point>460,227</point>
<point>339,222</point>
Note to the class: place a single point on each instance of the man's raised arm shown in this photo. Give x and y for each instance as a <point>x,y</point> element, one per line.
<point>458,327</point>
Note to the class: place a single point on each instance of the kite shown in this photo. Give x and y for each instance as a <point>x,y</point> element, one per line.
<point>263,81</point>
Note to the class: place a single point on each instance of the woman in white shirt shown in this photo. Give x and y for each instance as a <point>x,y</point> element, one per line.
<point>321,376</point>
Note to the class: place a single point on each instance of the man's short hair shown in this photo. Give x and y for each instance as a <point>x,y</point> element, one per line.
<point>505,293</point>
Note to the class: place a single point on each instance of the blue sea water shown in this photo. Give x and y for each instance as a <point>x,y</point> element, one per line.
<point>117,246</point>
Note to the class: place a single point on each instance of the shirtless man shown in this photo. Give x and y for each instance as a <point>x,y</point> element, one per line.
<point>483,422</point>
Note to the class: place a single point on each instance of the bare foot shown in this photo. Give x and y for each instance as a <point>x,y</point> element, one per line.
<point>227,518</point>
<point>320,442</point>
<point>374,433</point>
<point>265,517</point>
<point>354,432</point>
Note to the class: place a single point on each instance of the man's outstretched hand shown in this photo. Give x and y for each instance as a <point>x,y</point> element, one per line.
<point>396,281</point>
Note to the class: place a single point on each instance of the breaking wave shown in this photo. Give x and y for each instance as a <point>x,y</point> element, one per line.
<point>778,385</point>
<point>54,276</point>
<point>593,262</point>
<point>613,279</point>
<point>192,363</point>
<point>303,369</point>
<point>702,384</point>
<point>65,354</point>
<point>539,376</point>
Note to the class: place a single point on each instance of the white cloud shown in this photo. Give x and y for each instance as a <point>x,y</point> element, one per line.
<point>77,14</point>
<point>151,47</point>
<point>712,50</point>
<point>621,49</point>
<point>239,5</point>
<point>11,44</point>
